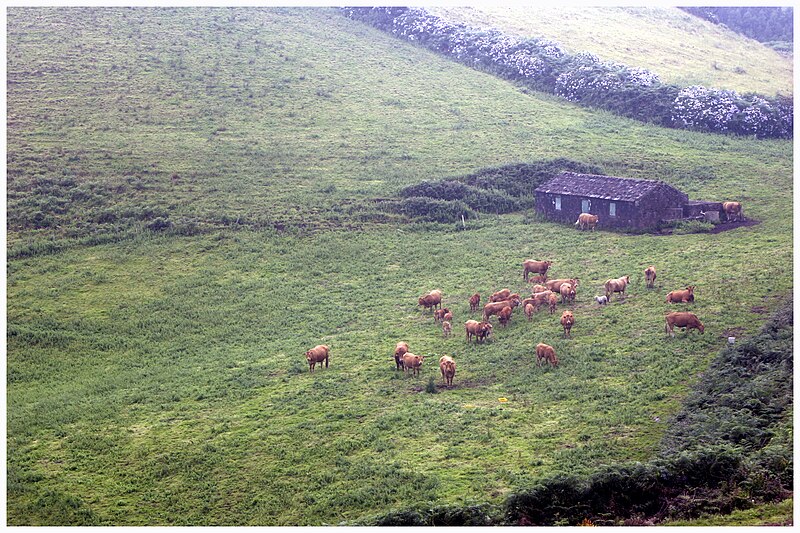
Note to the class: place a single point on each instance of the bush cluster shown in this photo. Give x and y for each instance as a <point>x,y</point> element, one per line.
<point>542,65</point>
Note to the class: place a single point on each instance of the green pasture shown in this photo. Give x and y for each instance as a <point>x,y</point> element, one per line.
<point>159,377</point>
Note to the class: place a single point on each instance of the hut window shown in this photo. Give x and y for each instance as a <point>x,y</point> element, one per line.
<point>558,203</point>
<point>612,209</point>
<point>585,206</point>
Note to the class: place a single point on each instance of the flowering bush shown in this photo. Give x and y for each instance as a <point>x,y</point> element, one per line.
<point>542,65</point>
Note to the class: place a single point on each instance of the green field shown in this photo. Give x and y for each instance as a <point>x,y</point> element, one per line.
<point>158,377</point>
<point>680,48</point>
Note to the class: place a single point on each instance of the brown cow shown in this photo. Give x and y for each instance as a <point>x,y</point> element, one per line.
<point>447,328</point>
<point>438,314</point>
<point>486,330</point>
<point>733,210</point>
<point>529,311</point>
<point>555,284</point>
<point>448,368</point>
<point>567,320</point>
<point>545,352</point>
<point>537,300</point>
<point>681,297</point>
<point>399,350</point>
<point>650,276</point>
<point>412,362</point>
<point>682,319</point>
<point>432,299</point>
<point>495,307</point>
<point>474,301</point>
<point>499,296</point>
<point>504,315</point>
<point>553,301</point>
<point>448,316</point>
<point>538,278</point>
<point>318,354</point>
<point>539,288</point>
<point>617,285</point>
<point>537,267</point>
<point>586,220</point>
<point>567,292</point>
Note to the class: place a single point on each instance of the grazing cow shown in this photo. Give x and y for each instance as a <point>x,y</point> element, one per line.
<point>447,328</point>
<point>537,267</point>
<point>567,292</point>
<point>529,311</point>
<point>617,285</point>
<point>495,307</point>
<point>555,284</point>
<point>538,278</point>
<point>474,301</point>
<point>682,319</point>
<point>318,354</point>
<point>480,330</point>
<point>545,352</point>
<point>499,296</point>
<point>567,320</point>
<point>585,220</point>
<point>650,276</point>
<point>602,300</point>
<point>504,315</point>
<point>552,300</point>
<point>448,368</point>
<point>681,297</point>
<point>733,210</point>
<point>432,299</point>
<point>399,350</point>
<point>412,362</point>
<point>539,288</point>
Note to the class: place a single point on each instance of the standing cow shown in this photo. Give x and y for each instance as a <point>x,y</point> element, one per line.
<point>567,321</point>
<point>318,354</point>
<point>650,276</point>
<point>682,319</point>
<point>586,220</point>
<point>545,352</point>
<point>448,368</point>
<point>399,350</point>
<point>617,285</point>
<point>536,267</point>
<point>733,210</point>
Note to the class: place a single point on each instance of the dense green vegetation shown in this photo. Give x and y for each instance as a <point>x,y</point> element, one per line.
<point>764,24</point>
<point>192,205</point>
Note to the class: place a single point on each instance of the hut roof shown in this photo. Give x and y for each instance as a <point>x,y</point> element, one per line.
<point>605,187</point>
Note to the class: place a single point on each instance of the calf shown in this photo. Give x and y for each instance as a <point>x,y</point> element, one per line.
<point>529,311</point>
<point>538,278</point>
<point>602,300</point>
<point>650,276</point>
<point>537,300</point>
<point>318,354</point>
<point>585,220</point>
<point>539,288</point>
<point>448,368</point>
<point>617,285</point>
<point>552,300</point>
<point>555,284</point>
<point>682,319</point>
<point>538,267</point>
<point>486,330</point>
<point>504,315</point>
<point>567,321</point>
<point>474,301</point>
<point>493,308</point>
<point>545,352</point>
<point>412,362</point>
<point>438,314</point>
<point>447,328</point>
<point>479,330</point>
<point>448,316</point>
<point>681,296</point>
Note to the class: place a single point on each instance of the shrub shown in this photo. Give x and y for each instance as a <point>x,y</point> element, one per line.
<point>434,210</point>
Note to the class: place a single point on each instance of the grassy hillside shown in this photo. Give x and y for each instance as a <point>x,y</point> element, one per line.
<point>680,48</point>
<point>159,378</point>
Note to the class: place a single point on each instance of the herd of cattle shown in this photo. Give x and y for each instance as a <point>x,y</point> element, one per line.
<point>502,304</point>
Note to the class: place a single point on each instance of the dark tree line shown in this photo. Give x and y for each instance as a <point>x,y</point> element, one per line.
<point>764,24</point>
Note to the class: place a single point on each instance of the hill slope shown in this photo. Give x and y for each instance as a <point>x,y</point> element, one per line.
<point>159,378</point>
<point>680,48</point>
